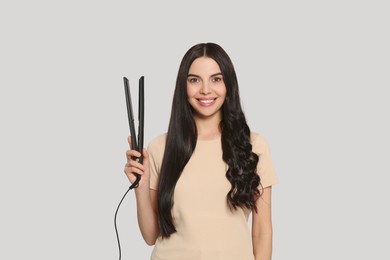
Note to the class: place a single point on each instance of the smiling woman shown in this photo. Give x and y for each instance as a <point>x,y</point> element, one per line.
<point>202,179</point>
<point>206,91</point>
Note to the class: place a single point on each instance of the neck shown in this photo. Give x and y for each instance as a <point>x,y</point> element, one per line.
<point>208,127</point>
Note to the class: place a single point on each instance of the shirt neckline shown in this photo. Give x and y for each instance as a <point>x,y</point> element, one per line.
<point>209,140</point>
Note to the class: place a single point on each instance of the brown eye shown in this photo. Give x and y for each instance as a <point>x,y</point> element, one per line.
<point>217,79</point>
<point>193,80</point>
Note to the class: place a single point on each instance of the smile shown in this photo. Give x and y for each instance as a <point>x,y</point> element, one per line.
<point>206,102</point>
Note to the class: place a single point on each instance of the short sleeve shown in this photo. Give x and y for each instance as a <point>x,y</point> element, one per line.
<point>156,153</point>
<point>265,168</point>
<point>152,170</point>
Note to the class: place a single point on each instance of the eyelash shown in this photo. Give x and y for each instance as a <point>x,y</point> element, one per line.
<point>217,79</point>
<point>196,80</point>
<point>193,80</point>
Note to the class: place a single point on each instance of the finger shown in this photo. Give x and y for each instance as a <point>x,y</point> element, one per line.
<point>133,170</point>
<point>136,164</point>
<point>145,153</point>
<point>146,156</point>
<point>129,140</point>
<point>132,177</point>
<point>132,153</point>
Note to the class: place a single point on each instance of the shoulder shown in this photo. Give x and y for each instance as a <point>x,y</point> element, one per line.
<point>158,141</point>
<point>156,149</point>
<point>259,143</point>
<point>265,167</point>
<point>157,145</point>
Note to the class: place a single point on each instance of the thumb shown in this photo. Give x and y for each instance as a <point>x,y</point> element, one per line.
<point>129,140</point>
<point>145,154</point>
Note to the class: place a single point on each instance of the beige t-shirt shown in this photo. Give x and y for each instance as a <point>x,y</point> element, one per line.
<point>206,228</point>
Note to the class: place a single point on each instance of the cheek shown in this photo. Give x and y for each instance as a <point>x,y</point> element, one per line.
<point>222,91</point>
<point>191,91</point>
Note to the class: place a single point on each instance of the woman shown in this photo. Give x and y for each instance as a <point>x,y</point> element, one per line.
<point>202,179</point>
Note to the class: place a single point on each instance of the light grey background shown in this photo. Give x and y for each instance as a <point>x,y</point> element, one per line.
<point>312,76</point>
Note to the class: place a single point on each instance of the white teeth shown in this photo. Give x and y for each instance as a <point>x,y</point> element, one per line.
<point>206,101</point>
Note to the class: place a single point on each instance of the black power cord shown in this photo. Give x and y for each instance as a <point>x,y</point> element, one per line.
<point>116,213</point>
<point>134,185</point>
<point>116,229</point>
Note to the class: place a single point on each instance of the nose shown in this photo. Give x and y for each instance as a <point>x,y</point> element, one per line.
<point>205,88</point>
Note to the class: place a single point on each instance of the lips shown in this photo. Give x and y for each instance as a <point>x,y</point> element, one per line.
<point>206,101</point>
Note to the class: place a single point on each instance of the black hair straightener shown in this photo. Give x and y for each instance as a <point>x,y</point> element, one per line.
<point>135,144</point>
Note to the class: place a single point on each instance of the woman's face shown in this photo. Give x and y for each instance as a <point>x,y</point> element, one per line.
<point>206,90</point>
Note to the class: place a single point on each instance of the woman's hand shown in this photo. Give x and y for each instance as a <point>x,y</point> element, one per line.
<point>145,197</point>
<point>132,166</point>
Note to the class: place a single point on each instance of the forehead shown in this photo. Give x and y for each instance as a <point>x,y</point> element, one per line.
<point>204,66</point>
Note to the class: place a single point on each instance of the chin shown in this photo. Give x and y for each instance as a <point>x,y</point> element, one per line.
<point>205,115</point>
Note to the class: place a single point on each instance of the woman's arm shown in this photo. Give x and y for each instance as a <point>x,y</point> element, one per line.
<point>146,198</point>
<point>147,214</point>
<point>262,227</point>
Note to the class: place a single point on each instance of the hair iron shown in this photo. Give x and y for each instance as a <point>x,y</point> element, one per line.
<point>135,144</point>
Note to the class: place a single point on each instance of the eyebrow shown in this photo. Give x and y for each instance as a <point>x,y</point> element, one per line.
<point>213,75</point>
